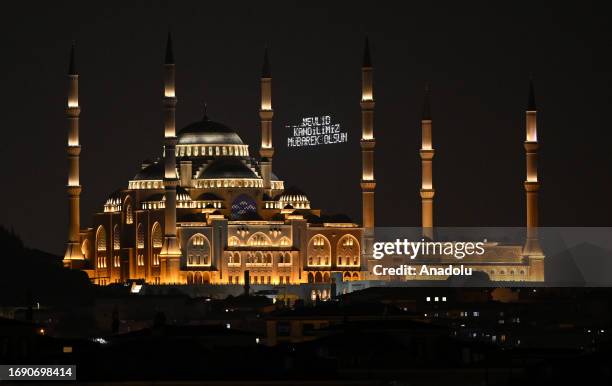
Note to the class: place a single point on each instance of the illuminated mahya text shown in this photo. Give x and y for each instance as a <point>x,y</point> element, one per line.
<point>313,131</point>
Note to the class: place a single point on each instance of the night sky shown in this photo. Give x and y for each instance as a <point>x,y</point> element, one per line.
<point>477,58</point>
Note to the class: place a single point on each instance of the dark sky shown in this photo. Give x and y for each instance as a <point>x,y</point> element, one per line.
<point>477,57</point>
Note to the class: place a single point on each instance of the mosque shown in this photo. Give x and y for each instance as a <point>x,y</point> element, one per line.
<point>208,211</point>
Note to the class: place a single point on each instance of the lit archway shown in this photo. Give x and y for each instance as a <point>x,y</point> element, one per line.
<point>198,250</point>
<point>310,277</point>
<point>348,251</point>
<point>319,251</point>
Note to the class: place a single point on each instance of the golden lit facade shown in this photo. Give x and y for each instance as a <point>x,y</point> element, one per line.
<point>207,211</point>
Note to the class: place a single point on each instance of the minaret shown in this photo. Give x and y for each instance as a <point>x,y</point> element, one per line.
<point>368,183</point>
<point>73,250</point>
<point>171,252</point>
<point>265,114</point>
<point>427,154</point>
<point>532,185</point>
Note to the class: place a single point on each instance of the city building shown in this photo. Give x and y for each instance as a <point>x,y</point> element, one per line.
<point>208,211</point>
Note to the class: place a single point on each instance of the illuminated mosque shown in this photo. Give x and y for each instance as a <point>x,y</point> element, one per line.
<point>210,212</point>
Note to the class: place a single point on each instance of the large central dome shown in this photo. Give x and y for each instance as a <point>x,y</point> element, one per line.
<point>207,132</point>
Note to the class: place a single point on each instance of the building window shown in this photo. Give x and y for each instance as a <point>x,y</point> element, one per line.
<point>129,213</point>
<point>116,238</point>
<point>198,251</point>
<point>244,208</point>
<point>319,251</point>
<point>348,251</point>
<point>259,239</point>
<point>140,236</point>
<point>157,238</point>
<point>101,239</point>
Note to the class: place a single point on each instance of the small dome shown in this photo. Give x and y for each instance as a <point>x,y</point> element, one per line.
<point>114,198</point>
<point>292,194</point>
<point>113,202</point>
<point>207,132</point>
<point>182,194</point>
<point>227,168</point>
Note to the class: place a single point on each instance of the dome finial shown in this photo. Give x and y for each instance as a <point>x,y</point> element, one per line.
<point>205,118</point>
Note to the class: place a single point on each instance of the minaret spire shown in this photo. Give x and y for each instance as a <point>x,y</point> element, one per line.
<point>73,257</point>
<point>368,182</point>
<point>427,154</point>
<point>532,186</point>
<point>72,65</point>
<point>531,104</point>
<point>265,68</point>
<point>171,252</point>
<point>266,151</point>
<point>169,51</point>
<point>367,58</point>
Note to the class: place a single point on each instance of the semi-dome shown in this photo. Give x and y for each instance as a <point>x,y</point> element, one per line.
<point>182,195</point>
<point>207,132</point>
<point>154,171</point>
<point>227,168</point>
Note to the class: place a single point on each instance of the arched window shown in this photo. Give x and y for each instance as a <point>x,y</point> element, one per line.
<point>259,239</point>
<point>355,276</point>
<point>189,278</point>
<point>234,258</point>
<point>318,277</point>
<point>326,277</point>
<point>129,213</point>
<point>85,249</point>
<point>319,251</point>
<point>101,239</point>
<point>198,278</point>
<point>157,239</point>
<point>140,236</point>
<point>244,207</point>
<point>206,278</point>
<point>116,238</point>
<point>310,277</point>
<point>198,250</point>
<point>347,251</point>
<point>346,276</point>
<point>284,241</point>
<point>233,241</point>
<point>285,258</point>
